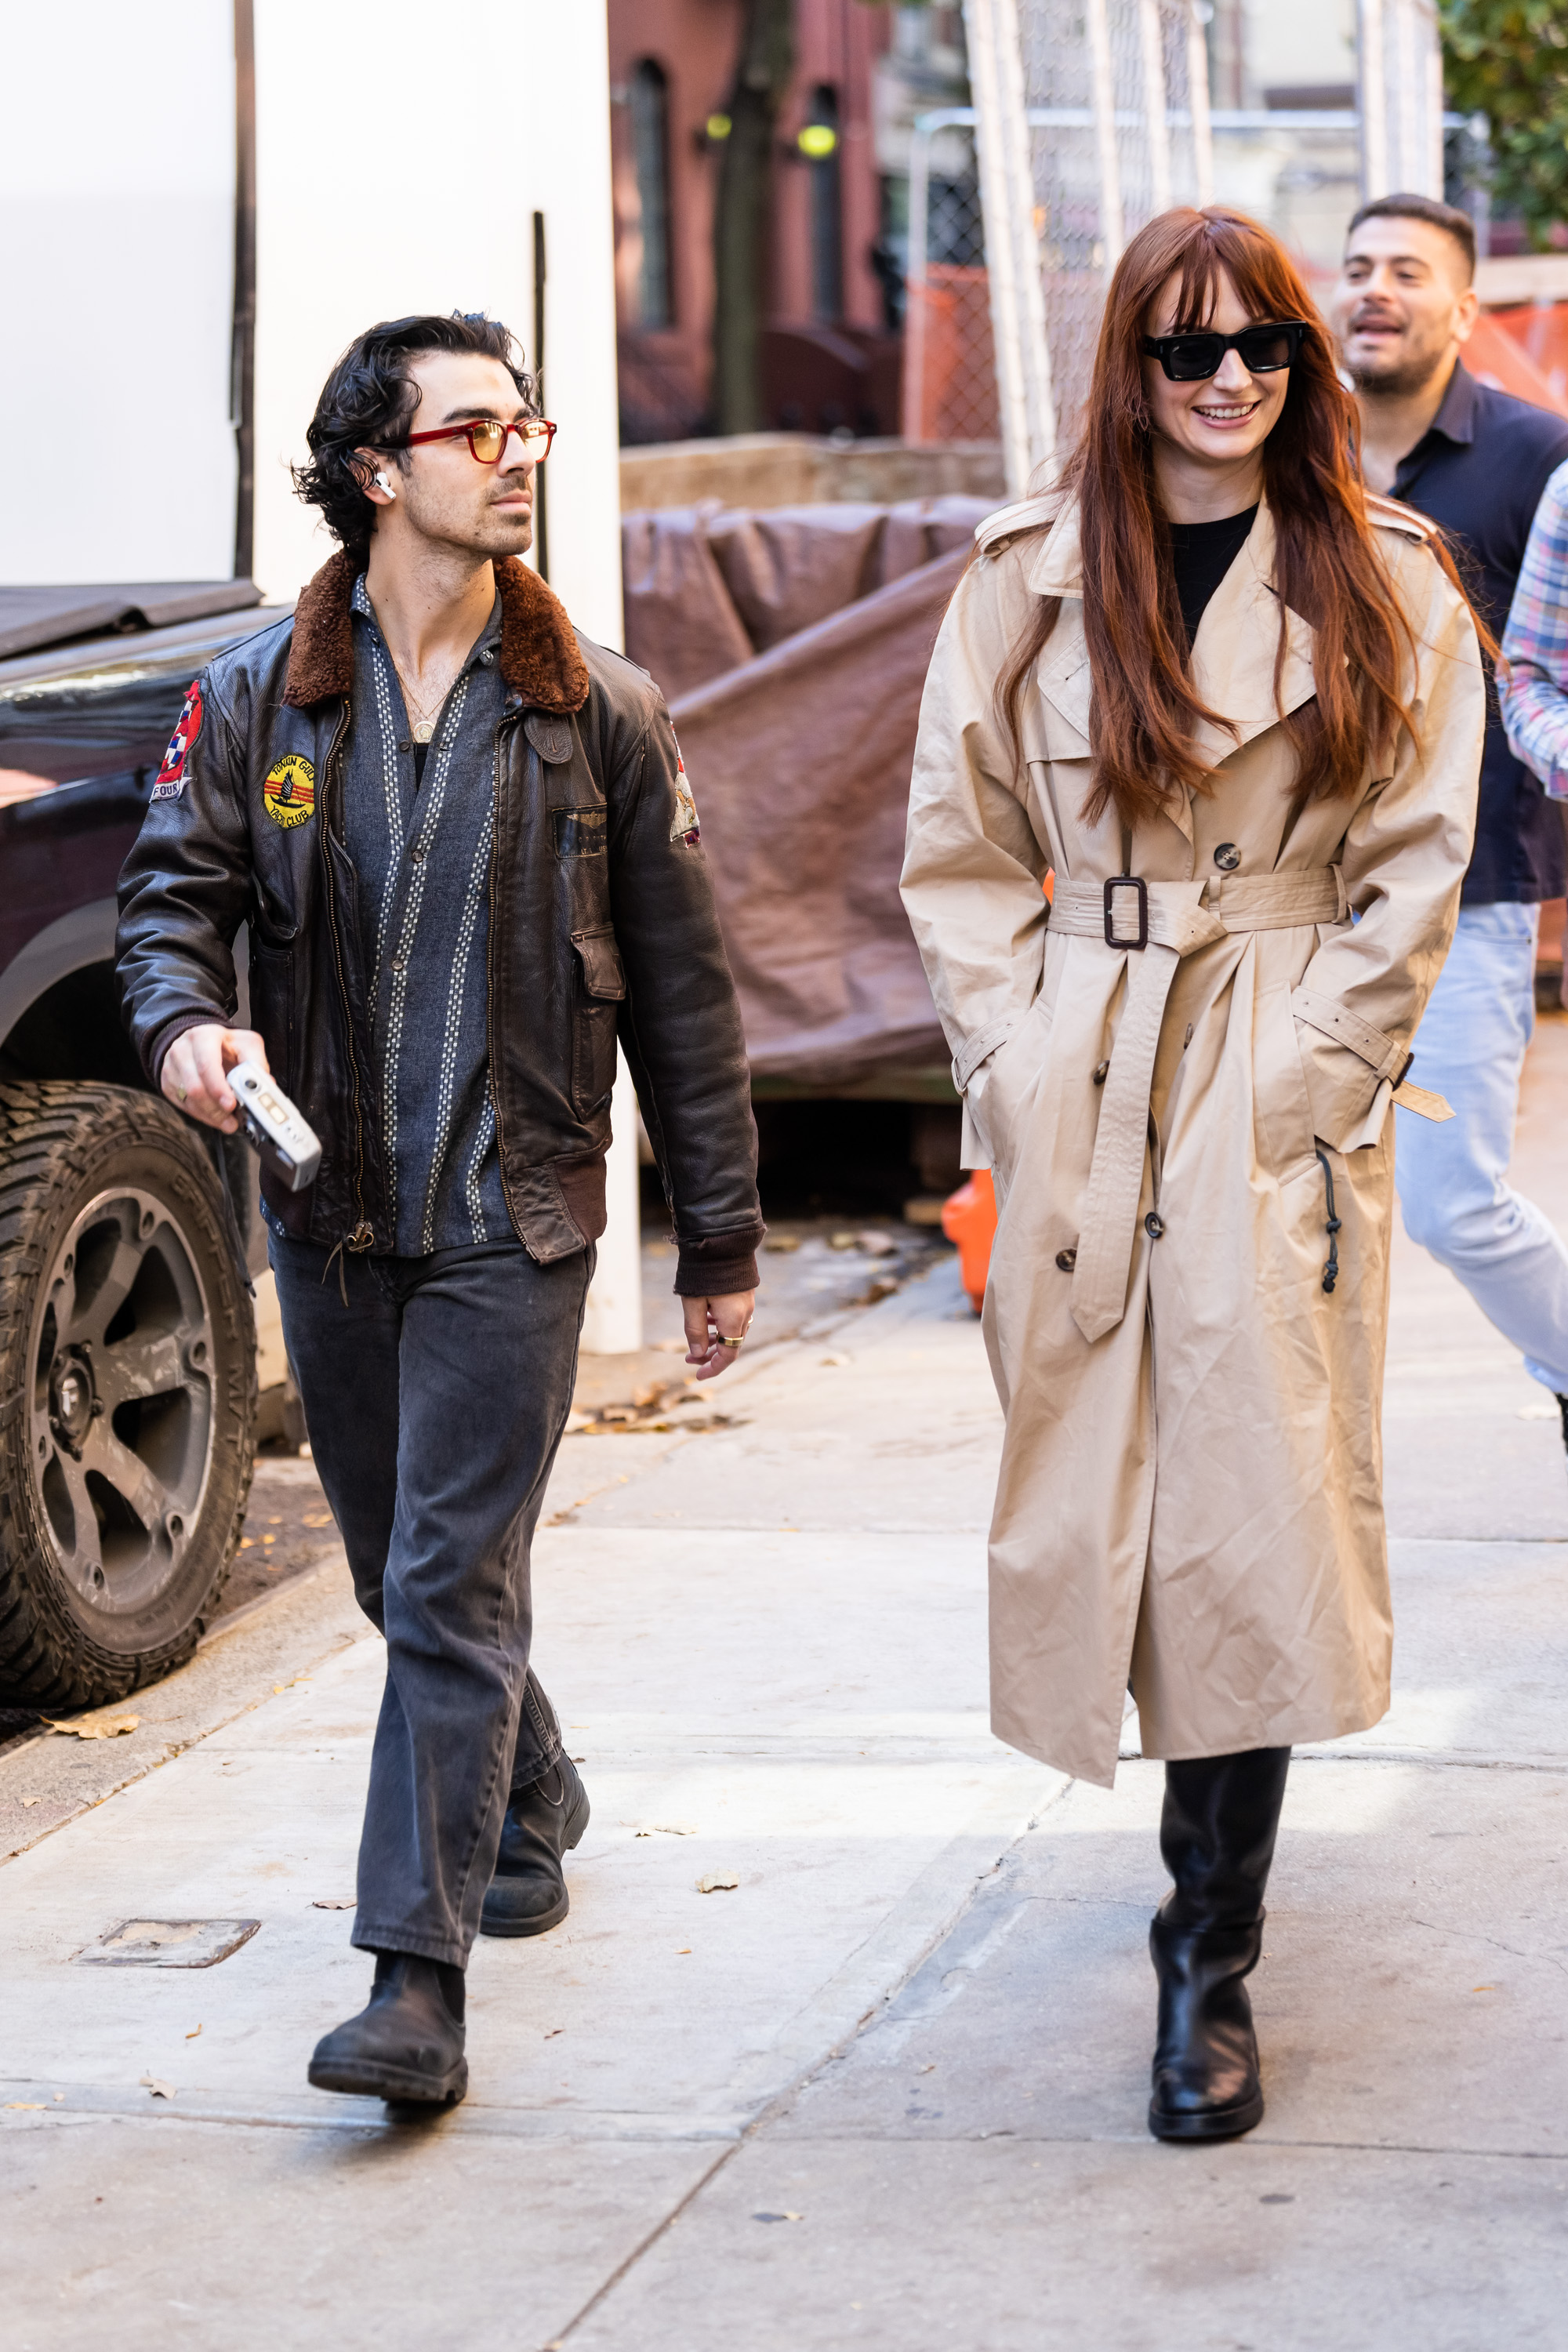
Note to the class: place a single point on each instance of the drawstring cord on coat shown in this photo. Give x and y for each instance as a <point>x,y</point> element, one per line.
<point>1331,1270</point>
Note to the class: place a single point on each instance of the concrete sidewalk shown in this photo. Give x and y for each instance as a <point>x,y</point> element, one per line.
<point>888,2090</point>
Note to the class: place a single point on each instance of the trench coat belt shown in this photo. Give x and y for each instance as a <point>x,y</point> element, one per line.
<point>1183,917</point>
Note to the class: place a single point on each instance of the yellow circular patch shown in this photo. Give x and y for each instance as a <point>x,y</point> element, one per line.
<point>289,790</point>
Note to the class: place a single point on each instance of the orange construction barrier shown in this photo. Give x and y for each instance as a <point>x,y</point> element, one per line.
<point>969,1221</point>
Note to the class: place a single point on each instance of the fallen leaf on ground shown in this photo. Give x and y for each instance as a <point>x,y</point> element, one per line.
<point>193,2033</point>
<point>553,2031</point>
<point>683,1952</point>
<point>32,1800</point>
<point>714,1882</point>
<point>778,2217</point>
<point>841,1241</point>
<point>334,1903</point>
<point>317,1520</point>
<point>26,2104</point>
<point>109,1727</point>
<point>781,1243</point>
<point>159,2090</point>
<point>838,1359</point>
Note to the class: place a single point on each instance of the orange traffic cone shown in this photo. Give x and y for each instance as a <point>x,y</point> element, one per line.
<point>969,1221</point>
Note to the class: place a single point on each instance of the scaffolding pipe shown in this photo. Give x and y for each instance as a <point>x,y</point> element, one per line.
<point>1198,101</point>
<point>1154,45</point>
<point>1102,94</point>
<point>1012,240</point>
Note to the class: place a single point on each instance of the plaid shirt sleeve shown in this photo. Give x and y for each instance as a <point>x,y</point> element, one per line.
<point>1535,646</point>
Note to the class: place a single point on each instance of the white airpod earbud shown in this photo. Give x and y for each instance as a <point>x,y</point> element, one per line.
<point>382,484</point>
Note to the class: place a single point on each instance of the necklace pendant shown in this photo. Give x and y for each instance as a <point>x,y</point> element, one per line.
<point>423,729</point>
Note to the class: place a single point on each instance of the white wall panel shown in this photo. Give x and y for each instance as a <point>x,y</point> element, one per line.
<point>398,170</point>
<point>116,286</point>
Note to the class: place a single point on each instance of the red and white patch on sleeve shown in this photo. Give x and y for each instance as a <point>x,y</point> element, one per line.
<point>171,781</point>
<point>684,828</point>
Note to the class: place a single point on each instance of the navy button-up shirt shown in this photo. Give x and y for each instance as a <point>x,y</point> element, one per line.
<point>1479,470</point>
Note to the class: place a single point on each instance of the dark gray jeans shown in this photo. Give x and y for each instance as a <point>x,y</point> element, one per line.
<point>436,1400</point>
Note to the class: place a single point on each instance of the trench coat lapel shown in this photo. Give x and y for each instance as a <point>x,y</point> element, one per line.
<point>1232,657</point>
<point>1234,650</point>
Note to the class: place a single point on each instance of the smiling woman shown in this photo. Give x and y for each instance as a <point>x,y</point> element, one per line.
<point>1186,682</point>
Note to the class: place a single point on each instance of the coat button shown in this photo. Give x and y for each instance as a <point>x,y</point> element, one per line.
<point>1154,1224</point>
<point>1227,857</point>
<point>1067,1259</point>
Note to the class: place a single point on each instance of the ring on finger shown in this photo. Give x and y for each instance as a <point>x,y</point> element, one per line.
<point>731,1343</point>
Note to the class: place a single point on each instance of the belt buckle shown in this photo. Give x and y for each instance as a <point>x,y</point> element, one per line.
<point>1127,882</point>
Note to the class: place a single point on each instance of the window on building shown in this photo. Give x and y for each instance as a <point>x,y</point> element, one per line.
<point>651,147</point>
<point>819,142</point>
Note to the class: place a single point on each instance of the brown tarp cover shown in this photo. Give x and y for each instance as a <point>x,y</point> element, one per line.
<point>793,645</point>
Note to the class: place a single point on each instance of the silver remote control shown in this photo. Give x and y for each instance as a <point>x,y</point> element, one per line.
<point>283,1141</point>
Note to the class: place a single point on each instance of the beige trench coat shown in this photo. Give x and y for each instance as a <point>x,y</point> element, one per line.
<point>1190,1498</point>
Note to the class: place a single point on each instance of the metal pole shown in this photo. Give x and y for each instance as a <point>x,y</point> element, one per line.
<point>1012,247</point>
<point>1198,103</point>
<point>1026,223</point>
<point>1372,90</point>
<point>540,507</point>
<point>1154,45</point>
<point>242,358</point>
<point>914,403</point>
<point>1433,184</point>
<point>1103,93</point>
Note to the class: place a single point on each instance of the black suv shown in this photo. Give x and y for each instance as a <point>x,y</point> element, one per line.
<point>128,1389</point>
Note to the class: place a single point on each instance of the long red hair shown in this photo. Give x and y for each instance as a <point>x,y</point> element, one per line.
<point>1327,564</point>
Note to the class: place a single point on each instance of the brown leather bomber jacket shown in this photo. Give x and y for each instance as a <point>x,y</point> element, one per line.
<point>602,923</point>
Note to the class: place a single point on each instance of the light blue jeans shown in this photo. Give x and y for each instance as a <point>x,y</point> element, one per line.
<point>1453,1180</point>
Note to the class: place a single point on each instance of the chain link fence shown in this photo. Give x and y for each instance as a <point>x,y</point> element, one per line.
<point>950,370</point>
<point>1116,93</point>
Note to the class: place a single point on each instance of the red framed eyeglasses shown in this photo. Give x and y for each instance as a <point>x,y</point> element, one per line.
<point>487,437</point>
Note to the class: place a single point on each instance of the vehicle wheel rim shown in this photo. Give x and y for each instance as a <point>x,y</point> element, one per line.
<point>123,1400</point>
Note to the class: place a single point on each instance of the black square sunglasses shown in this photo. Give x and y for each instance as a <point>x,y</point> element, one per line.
<point>1191,358</point>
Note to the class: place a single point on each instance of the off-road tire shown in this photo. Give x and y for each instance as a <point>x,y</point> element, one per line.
<point>156,1408</point>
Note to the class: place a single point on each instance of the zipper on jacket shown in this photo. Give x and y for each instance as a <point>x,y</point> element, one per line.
<point>364,1233</point>
<point>509,724</point>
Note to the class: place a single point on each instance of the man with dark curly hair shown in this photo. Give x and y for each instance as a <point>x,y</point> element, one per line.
<point>465,845</point>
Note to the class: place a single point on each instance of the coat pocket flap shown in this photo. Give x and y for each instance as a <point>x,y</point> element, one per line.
<point>601,972</point>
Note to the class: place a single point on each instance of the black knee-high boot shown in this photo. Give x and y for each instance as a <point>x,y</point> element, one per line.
<point>1216,1834</point>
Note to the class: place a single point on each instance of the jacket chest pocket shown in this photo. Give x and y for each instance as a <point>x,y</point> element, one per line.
<point>594,1021</point>
<point>272,972</point>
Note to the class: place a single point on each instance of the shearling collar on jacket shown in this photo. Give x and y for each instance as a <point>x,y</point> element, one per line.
<point>539,656</point>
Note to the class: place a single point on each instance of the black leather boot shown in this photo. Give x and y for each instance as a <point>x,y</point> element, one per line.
<point>1217,1833</point>
<point>407,2043</point>
<point>528,1894</point>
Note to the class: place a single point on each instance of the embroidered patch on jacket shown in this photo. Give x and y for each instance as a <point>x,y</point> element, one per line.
<point>289,791</point>
<point>171,781</point>
<point>685,827</point>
